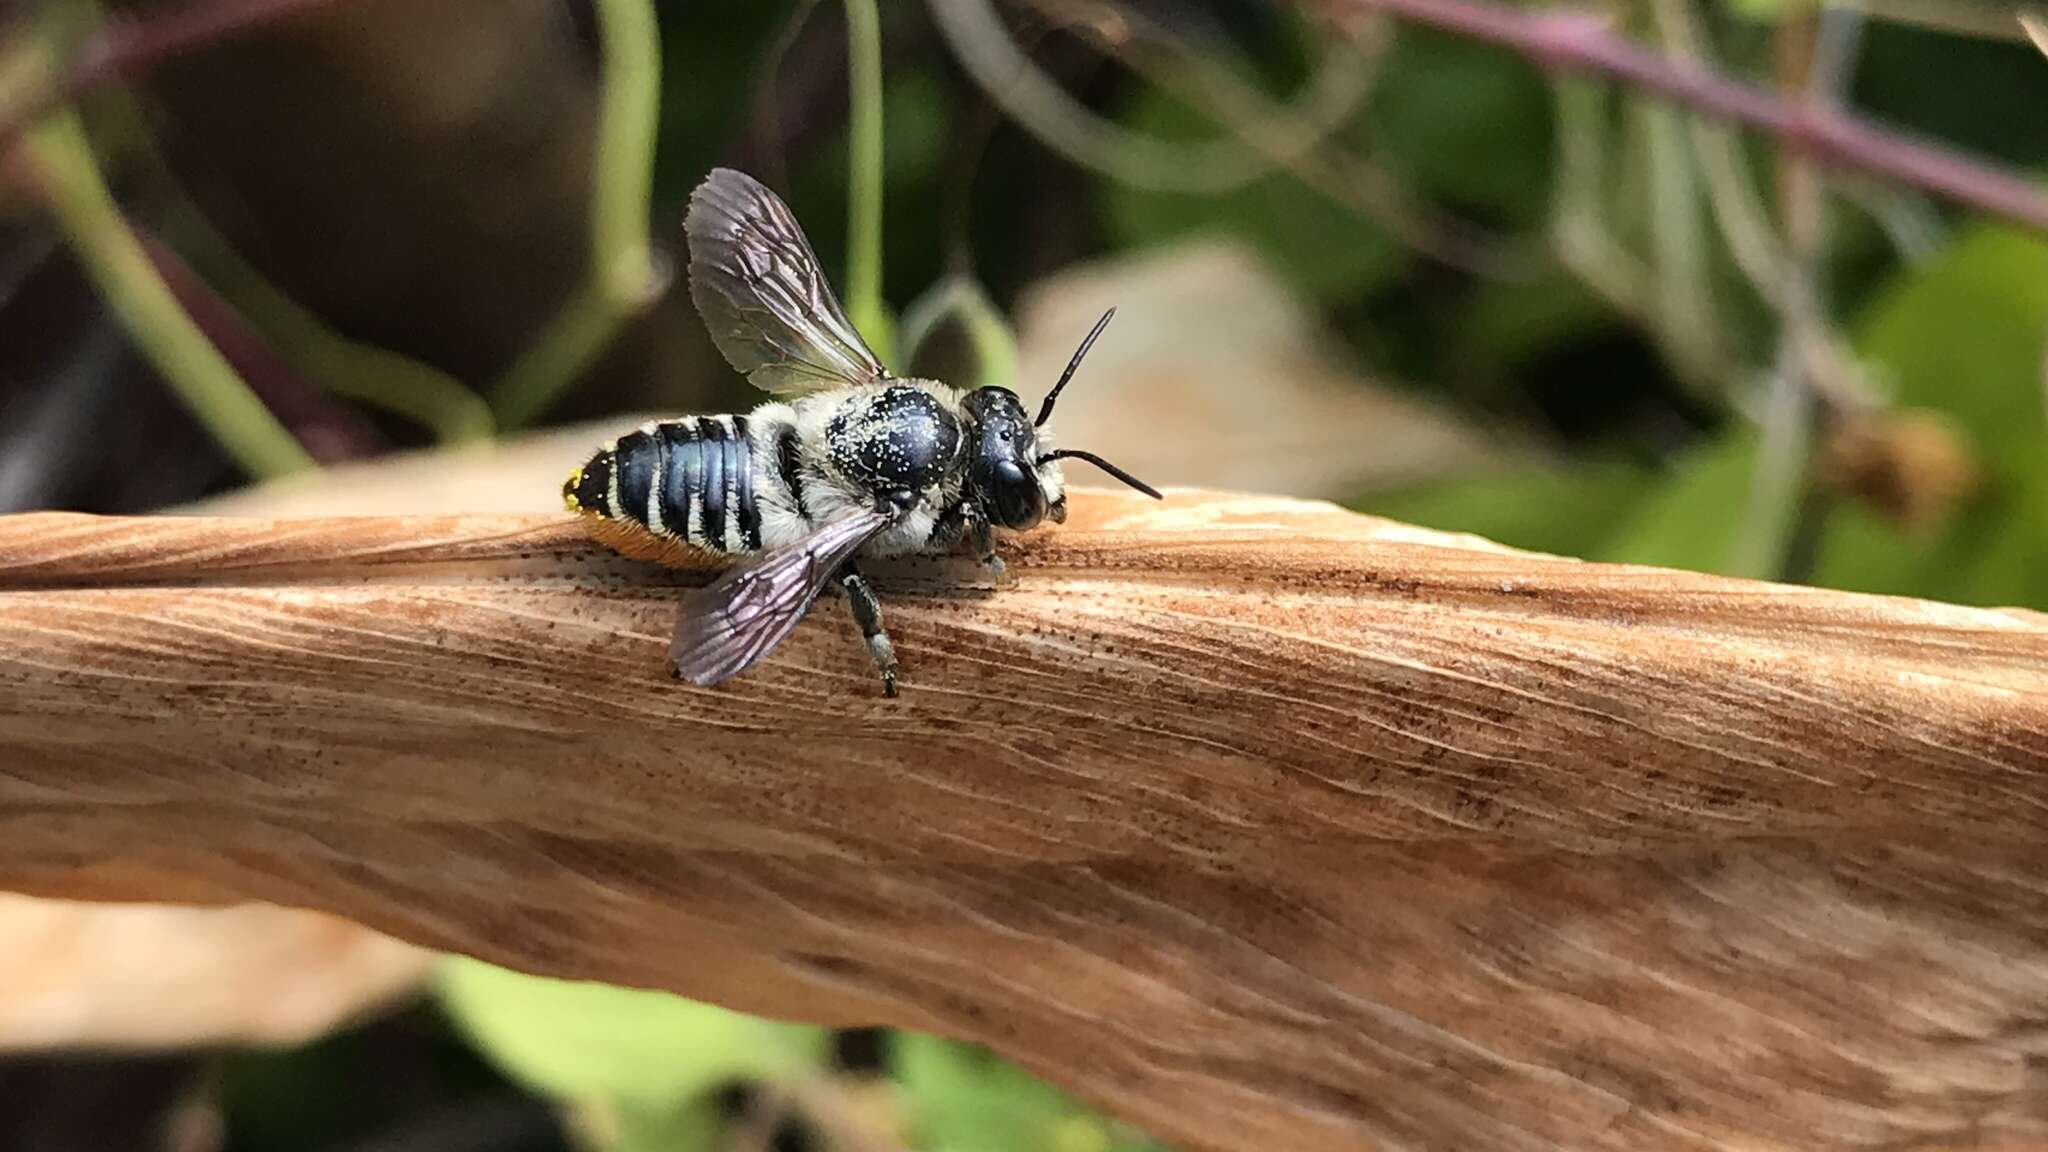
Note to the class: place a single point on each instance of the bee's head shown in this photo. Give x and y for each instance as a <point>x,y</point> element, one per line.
<point>1015,474</point>
<point>1014,490</point>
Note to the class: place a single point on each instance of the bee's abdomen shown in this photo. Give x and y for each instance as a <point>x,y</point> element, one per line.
<point>689,479</point>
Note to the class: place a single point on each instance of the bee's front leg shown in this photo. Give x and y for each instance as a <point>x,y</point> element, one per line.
<point>867,612</point>
<point>965,522</point>
<point>984,536</point>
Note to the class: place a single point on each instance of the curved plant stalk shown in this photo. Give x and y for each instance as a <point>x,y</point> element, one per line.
<point>1815,383</point>
<point>1579,197</point>
<point>1553,40</point>
<point>29,71</point>
<point>1298,140</point>
<point>362,372</point>
<point>959,301</point>
<point>44,72</point>
<point>975,33</point>
<point>1687,315</point>
<point>85,212</point>
<point>1258,823</point>
<point>1731,191</point>
<point>622,276</point>
<point>767,122</point>
<point>864,177</point>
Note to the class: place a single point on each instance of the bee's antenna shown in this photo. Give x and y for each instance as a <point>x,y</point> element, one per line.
<point>1045,409</point>
<point>1099,462</point>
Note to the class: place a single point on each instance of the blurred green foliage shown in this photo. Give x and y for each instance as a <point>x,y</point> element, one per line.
<point>1466,126</point>
<point>647,1051</point>
<point>1323,249</point>
<point>1957,89</point>
<point>1568,511</point>
<point>349,1088</point>
<point>960,1098</point>
<point>1962,334</point>
<point>642,1068</point>
<point>1646,471</point>
<point>652,1067</point>
<point>1470,130</point>
<point>1460,125</point>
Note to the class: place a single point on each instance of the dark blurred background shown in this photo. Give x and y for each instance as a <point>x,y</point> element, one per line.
<point>373,255</point>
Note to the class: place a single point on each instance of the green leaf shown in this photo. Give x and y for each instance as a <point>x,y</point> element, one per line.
<point>644,1051</point>
<point>1465,124</point>
<point>1976,94</point>
<point>1569,512</point>
<point>962,1099</point>
<point>1994,554</point>
<point>1964,334</point>
<point>1511,322</point>
<point>1768,11</point>
<point>688,1127</point>
<point>1861,550</point>
<point>1324,249</point>
<point>1692,519</point>
<point>341,1091</point>
<point>2011,570</point>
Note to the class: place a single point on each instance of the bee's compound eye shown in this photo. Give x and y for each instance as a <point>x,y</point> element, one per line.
<point>1019,503</point>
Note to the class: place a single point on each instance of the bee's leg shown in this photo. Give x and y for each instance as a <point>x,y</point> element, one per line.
<point>963,522</point>
<point>984,536</point>
<point>867,612</point>
<point>949,529</point>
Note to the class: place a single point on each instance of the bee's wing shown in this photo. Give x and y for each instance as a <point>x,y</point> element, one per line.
<point>762,294</point>
<point>736,619</point>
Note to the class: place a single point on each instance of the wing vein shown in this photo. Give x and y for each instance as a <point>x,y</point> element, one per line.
<point>763,295</point>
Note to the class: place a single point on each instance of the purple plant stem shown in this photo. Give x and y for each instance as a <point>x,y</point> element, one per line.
<point>1581,41</point>
<point>133,44</point>
<point>330,432</point>
<point>1566,41</point>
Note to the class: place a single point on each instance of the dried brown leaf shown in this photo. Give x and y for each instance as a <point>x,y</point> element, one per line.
<point>1261,824</point>
<point>1214,375</point>
<point>104,974</point>
<point>123,976</point>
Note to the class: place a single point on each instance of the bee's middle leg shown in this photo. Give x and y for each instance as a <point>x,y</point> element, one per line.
<point>867,612</point>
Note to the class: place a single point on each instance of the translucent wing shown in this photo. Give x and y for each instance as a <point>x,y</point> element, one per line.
<point>759,288</point>
<point>738,618</point>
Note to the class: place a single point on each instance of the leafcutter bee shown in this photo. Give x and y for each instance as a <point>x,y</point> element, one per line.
<point>847,460</point>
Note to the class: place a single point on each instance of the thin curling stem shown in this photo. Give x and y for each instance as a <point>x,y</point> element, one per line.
<point>623,275</point>
<point>114,258</point>
<point>864,172</point>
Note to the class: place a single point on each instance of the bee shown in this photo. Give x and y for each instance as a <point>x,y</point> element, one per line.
<point>846,461</point>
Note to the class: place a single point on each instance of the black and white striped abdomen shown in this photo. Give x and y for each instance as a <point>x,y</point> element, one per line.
<point>690,479</point>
